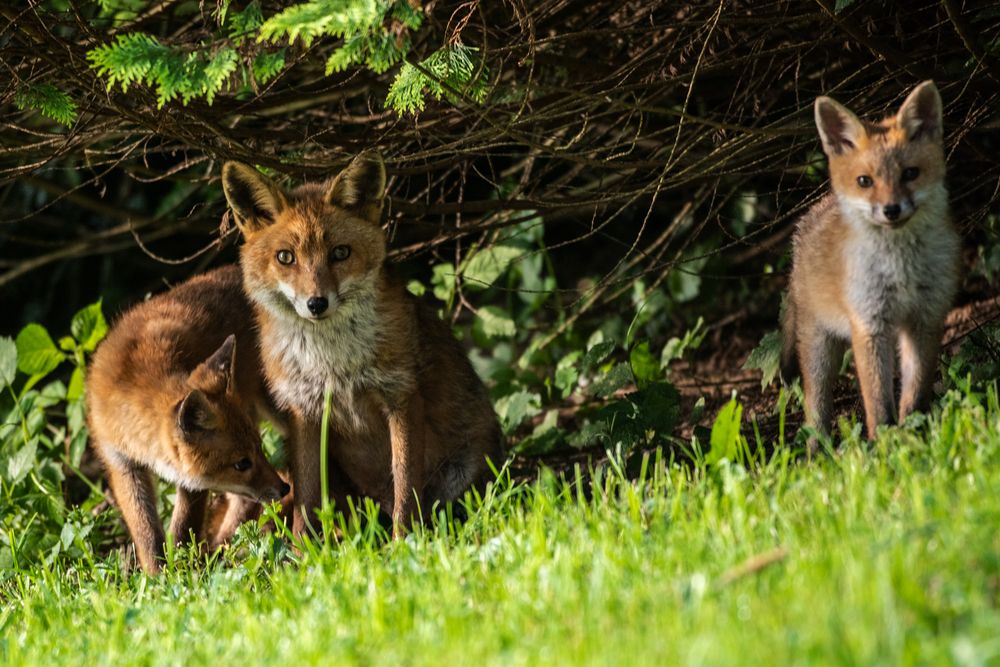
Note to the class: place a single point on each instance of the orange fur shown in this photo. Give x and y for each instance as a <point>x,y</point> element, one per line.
<point>172,391</point>
<point>875,263</point>
<point>411,423</point>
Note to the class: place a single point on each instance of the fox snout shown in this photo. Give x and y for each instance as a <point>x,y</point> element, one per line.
<point>274,493</point>
<point>893,214</point>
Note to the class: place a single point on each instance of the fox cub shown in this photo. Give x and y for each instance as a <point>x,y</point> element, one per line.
<point>168,392</point>
<point>874,263</point>
<point>411,422</point>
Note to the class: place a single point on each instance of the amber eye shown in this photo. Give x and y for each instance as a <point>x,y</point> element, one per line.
<point>285,257</point>
<point>910,174</point>
<point>243,464</point>
<point>865,181</point>
<point>341,252</point>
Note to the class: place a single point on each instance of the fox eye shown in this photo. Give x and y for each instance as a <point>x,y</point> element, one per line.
<point>243,464</point>
<point>865,181</point>
<point>341,252</point>
<point>910,174</point>
<point>285,257</point>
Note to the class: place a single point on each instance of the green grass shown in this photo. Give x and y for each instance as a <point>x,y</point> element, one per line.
<point>883,553</point>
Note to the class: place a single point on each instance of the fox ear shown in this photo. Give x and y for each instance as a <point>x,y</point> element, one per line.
<point>195,414</point>
<point>215,374</point>
<point>920,115</point>
<point>255,199</point>
<point>360,187</point>
<point>839,129</point>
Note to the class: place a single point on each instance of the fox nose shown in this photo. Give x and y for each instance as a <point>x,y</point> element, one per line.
<point>317,304</point>
<point>284,489</point>
<point>892,211</point>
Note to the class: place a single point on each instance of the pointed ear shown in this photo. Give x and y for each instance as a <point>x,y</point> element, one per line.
<point>215,374</point>
<point>839,129</point>
<point>255,199</point>
<point>920,115</point>
<point>195,414</point>
<point>360,188</point>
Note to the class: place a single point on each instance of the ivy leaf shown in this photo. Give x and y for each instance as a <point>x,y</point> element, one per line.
<point>8,361</point>
<point>36,353</point>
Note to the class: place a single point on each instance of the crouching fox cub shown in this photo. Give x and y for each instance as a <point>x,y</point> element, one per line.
<point>874,263</point>
<point>168,392</point>
<point>411,422</point>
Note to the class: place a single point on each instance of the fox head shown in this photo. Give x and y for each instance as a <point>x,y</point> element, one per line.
<point>218,444</point>
<point>882,173</point>
<point>312,250</point>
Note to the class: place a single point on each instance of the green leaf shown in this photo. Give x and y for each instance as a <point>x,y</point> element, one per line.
<point>645,367</point>
<point>22,462</point>
<point>484,266</point>
<point>36,353</point>
<point>48,101</point>
<point>89,326</point>
<point>8,361</point>
<point>443,281</point>
<point>677,347</point>
<point>495,322</point>
<point>76,383</point>
<point>766,357</point>
<point>726,435</point>
<point>596,355</point>
<point>516,407</point>
<point>658,406</point>
<point>841,5</point>
<point>567,374</point>
<point>619,376</point>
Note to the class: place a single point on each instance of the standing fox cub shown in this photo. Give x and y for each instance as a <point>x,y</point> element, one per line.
<point>168,392</point>
<point>875,263</point>
<point>411,423</point>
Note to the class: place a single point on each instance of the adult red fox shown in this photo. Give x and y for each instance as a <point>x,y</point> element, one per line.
<point>875,263</point>
<point>411,422</point>
<point>172,391</point>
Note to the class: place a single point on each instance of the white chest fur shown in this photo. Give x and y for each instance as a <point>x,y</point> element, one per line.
<point>339,353</point>
<point>903,274</point>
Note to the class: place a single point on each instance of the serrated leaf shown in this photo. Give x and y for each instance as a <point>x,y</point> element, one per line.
<point>89,326</point>
<point>8,361</point>
<point>766,358</point>
<point>495,322</point>
<point>22,462</point>
<point>658,406</point>
<point>36,353</point>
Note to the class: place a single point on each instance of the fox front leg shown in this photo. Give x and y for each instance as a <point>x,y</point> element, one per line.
<point>406,431</point>
<point>135,494</point>
<point>304,467</point>
<point>189,515</point>
<point>873,357</point>
<point>919,348</point>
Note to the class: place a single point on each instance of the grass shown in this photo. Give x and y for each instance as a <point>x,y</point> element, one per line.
<point>879,553</point>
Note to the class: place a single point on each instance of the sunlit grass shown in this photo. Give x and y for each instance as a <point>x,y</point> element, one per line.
<point>883,553</point>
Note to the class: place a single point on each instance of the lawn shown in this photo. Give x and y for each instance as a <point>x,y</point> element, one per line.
<point>875,553</point>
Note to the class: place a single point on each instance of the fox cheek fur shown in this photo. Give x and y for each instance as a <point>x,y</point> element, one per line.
<point>874,263</point>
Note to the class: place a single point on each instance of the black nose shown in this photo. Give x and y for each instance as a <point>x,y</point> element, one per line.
<point>285,489</point>
<point>317,304</point>
<point>891,211</point>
